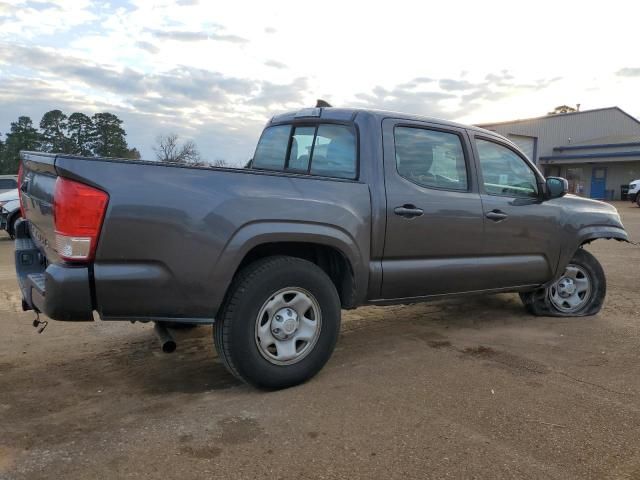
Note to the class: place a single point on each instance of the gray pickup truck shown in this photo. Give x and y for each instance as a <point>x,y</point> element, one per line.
<point>338,208</point>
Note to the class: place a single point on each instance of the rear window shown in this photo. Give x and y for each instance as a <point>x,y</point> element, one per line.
<point>8,184</point>
<point>326,149</point>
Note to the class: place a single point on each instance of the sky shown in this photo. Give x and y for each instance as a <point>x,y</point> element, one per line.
<point>215,71</point>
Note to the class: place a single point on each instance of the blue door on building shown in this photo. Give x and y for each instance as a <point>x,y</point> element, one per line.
<point>598,182</point>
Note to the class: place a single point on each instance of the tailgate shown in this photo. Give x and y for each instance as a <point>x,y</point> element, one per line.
<point>48,283</point>
<point>36,192</point>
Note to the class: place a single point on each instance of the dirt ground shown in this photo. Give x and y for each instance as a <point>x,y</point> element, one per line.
<point>471,388</point>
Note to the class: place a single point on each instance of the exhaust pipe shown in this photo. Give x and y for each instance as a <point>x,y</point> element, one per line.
<point>167,343</point>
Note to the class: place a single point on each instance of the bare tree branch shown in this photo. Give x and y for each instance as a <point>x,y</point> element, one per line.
<point>169,150</point>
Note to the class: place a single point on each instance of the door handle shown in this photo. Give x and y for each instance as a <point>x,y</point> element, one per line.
<point>496,215</point>
<point>408,211</point>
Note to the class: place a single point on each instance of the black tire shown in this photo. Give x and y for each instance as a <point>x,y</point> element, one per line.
<point>235,328</point>
<point>539,303</point>
<point>638,199</point>
<point>12,227</point>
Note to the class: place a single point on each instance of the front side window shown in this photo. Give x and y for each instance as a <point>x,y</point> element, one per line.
<point>326,149</point>
<point>504,172</point>
<point>430,158</point>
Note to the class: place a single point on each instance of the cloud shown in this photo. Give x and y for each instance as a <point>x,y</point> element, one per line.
<point>148,46</point>
<point>277,95</point>
<point>446,97</point>
<point>629,72</point>
<point>451,84</point>
<point>197,36</point>
<point>223,114</point>
<point>187,3</point>
<point>275,64</point>
<point>270,30</point>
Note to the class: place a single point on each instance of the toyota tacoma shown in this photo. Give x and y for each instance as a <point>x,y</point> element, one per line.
<point>338,208</point>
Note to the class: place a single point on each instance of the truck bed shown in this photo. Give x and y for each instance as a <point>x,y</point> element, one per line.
<point>173,235</point>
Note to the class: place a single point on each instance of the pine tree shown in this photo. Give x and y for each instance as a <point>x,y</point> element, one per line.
<point>53,126</point>
<point>81,131</point>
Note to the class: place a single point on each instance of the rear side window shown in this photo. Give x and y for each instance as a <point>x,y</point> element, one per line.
<point>272,148</point>
<point>301,145</point>
<point>334,152</point>
<point>8,184</point>
<point>326,149</point>
<point>430,158</point>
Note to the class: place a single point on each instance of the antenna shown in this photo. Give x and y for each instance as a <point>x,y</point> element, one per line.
<point>322,103</point>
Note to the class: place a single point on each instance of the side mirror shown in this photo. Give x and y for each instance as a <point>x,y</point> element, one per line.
<point>556,187</point>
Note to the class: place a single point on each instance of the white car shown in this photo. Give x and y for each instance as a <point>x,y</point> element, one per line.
<point>9,211</point>
<point>8,182</point>
<point>634,189</point>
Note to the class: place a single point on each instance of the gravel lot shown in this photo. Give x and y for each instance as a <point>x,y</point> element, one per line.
<point>471,388</point>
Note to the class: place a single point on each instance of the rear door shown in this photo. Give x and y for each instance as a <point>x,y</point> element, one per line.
<point>433,241</point>
<point>521,230</point>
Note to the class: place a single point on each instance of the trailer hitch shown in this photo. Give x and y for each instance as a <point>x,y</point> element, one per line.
<point>40,325</point>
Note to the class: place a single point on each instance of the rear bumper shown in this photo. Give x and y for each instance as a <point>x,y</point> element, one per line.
<point>60,292</point>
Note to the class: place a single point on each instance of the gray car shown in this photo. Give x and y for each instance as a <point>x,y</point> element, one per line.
<point>338,208</point>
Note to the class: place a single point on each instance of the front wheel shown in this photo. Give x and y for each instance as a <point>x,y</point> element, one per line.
<point>279,324</point>
<point>580,291</point>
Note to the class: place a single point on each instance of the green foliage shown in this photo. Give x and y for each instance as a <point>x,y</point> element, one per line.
<point>100,135</point>
<point>53,127</point>
<point>22,136</point>
<point>108,136</point>
<point>80,130</point>
<point>560,109</point>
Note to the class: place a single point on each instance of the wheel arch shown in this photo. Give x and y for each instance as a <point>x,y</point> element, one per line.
<point>585,236</point>
<point>332,249</point>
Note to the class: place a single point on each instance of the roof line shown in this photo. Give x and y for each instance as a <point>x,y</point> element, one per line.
<point>596,145</point>
<point>558,115</point>
<point>592,155</point>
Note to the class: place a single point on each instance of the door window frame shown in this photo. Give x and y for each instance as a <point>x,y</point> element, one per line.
<point>389,149</point>
<point>498,141</point>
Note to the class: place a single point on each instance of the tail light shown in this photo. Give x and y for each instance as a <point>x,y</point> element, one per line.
<point>78,211</point>
<point>20,178</point>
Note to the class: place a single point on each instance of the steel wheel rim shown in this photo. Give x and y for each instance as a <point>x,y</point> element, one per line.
<point>288,326</point>
<point>572,291</point>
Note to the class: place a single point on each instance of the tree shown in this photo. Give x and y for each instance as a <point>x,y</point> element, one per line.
<point>562,109</point>
<point>80,129</point>
<point>108,136</point>
<point>169,150</point>
<point>53,126</point>
<point>220,162</point>
<point>21,137</point>
<point>133,154</point>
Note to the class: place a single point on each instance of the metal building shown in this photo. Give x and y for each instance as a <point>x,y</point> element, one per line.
<point>598,151</point>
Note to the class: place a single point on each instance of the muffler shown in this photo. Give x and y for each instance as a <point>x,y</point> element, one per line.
<point>167,342</point>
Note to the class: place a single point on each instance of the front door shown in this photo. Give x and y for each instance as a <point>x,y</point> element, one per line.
<point>598,182</point>
<point>433,242</point>
<point>522,232</point>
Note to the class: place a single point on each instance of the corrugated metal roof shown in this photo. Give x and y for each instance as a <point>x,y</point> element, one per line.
<point>556,116</point>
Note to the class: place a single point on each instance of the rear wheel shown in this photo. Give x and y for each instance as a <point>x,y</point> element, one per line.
<point>580,291</point>
<point>279,324</point>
